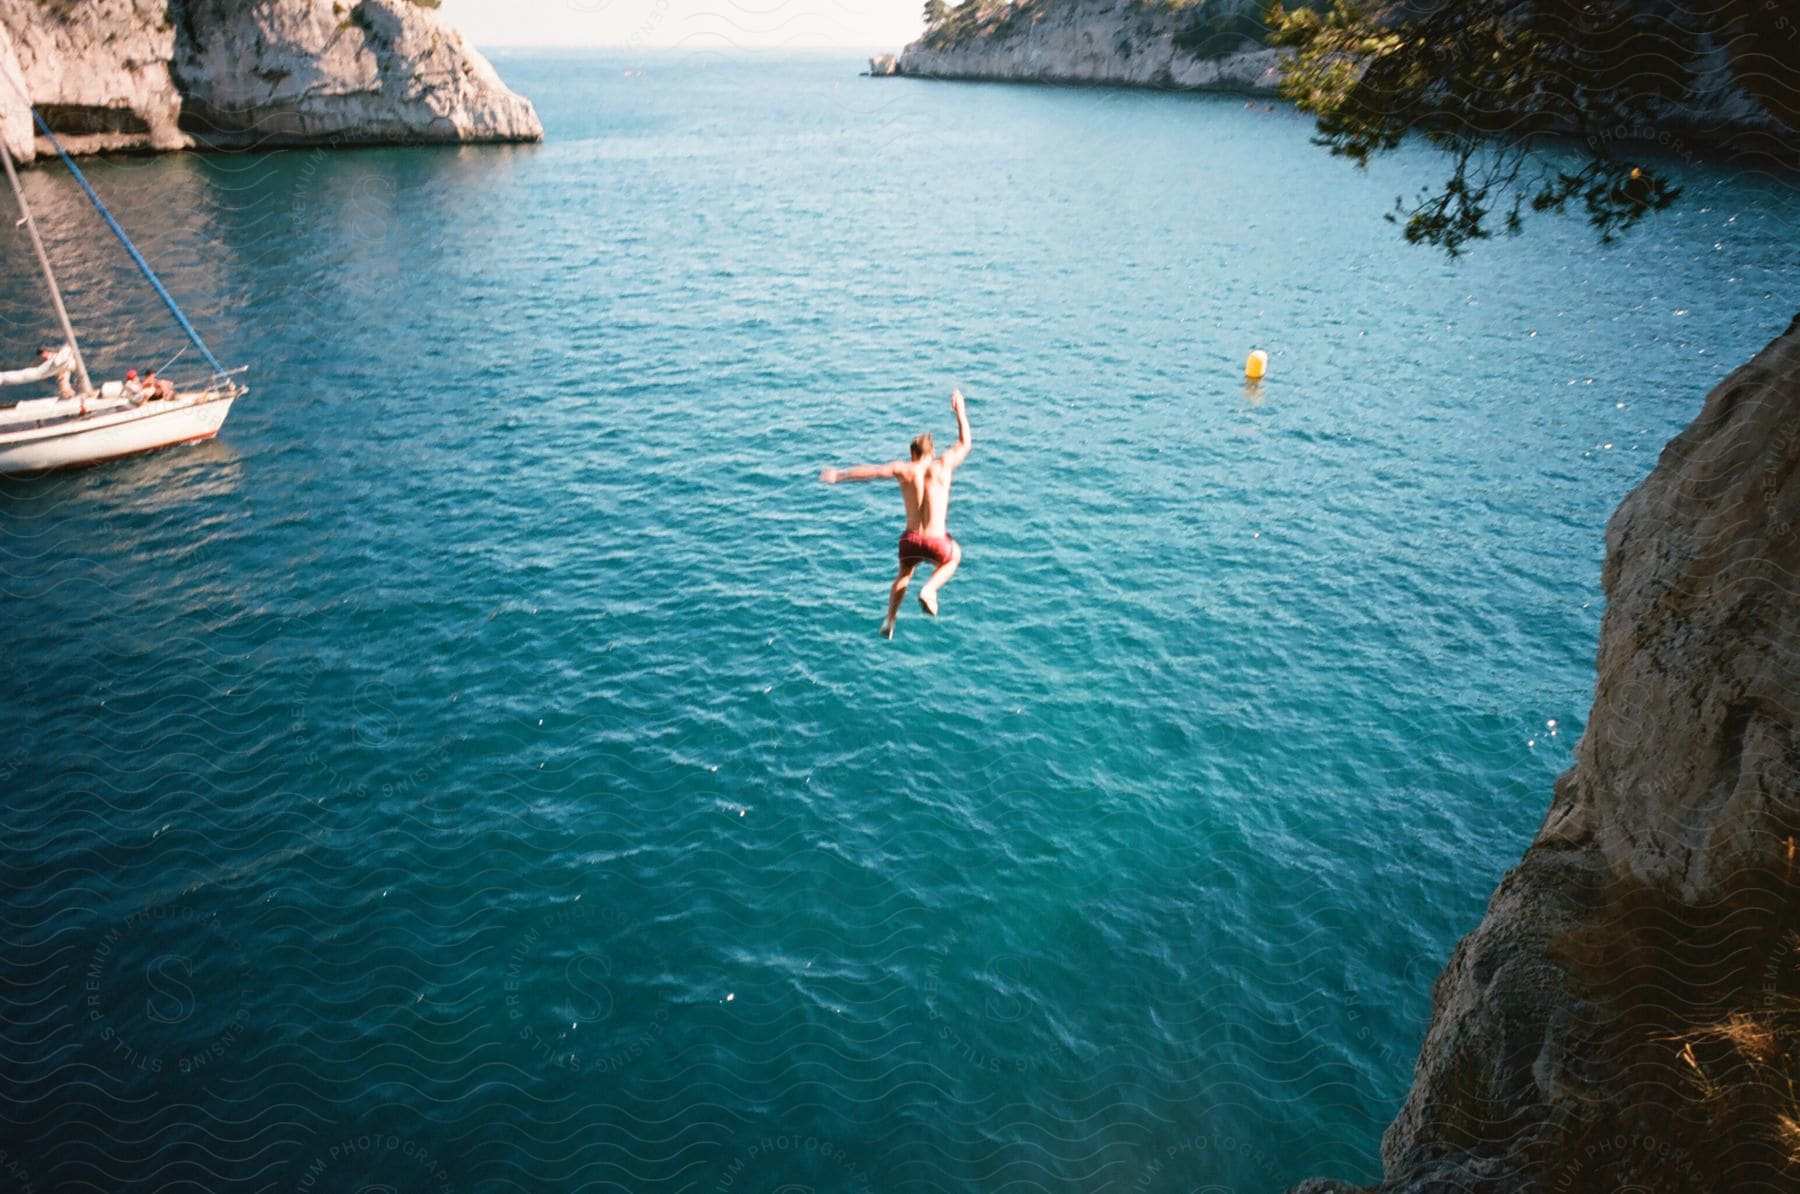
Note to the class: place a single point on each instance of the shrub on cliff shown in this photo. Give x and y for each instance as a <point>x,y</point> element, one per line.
<point>1694,1022</point>
<point>972,18</point>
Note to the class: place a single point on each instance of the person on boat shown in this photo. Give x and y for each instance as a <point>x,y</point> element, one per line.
<point>65,367</point>
<point>156,387</point>
<point>925,487</point>
<point>134,389</point>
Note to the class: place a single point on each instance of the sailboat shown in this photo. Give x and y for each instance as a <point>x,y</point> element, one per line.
<point>85,424</point>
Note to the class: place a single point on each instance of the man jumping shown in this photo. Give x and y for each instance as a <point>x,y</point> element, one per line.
<point>925,485</point>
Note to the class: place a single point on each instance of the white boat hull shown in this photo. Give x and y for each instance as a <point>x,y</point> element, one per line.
<point>53,433</point>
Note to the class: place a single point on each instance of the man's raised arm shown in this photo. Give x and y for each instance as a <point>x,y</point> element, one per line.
<point>862,472</point>
<point>964,438</point>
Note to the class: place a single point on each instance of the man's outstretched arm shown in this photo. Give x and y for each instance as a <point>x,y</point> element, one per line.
<point>862,472</point>
<point>964,438</point>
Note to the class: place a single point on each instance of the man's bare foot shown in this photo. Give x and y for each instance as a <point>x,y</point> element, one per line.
<point>928,602</point>
<point>887,630</point>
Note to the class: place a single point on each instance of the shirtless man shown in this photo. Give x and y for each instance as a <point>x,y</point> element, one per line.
<point>925,484</point>
<point>156,387</point>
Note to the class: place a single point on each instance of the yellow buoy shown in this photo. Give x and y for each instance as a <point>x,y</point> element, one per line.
<point>1257,365</point>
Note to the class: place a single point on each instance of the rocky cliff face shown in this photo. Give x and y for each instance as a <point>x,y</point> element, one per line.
<point>1624,1015</point>
<point>15,115</point>
<point>168,74</point>
<point>1205,47</point>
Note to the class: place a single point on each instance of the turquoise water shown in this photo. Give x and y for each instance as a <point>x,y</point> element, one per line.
<point>478,769</point>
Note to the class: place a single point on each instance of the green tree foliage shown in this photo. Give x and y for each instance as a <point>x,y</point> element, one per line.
<point>1489,79</point>
<point>964,19</point>
<point>935,13</point>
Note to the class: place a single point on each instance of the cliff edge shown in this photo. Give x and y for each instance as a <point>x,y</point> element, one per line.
<point>1627,1015</point>
<point>171,74</point>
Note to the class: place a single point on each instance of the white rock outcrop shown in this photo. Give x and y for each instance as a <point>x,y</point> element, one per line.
<point>98,70</point>
<point>15,114</point>
<point>378,70</point>
<point>1121,42</point>
<point>169,74</point>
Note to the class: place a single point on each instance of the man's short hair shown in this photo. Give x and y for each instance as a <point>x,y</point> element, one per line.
<point>921,446</point>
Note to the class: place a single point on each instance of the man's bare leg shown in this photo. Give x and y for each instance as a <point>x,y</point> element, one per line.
<point>896,594</point>
<point>940,577</point>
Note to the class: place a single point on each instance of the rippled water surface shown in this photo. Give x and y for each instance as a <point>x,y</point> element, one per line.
<point>479,770</point>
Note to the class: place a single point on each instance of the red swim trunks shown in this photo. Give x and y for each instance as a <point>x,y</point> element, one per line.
<point>917,547</point>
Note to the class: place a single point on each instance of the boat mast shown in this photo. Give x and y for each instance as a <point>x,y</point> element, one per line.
<point>37,242</point>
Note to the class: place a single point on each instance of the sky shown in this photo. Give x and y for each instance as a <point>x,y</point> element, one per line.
<point>699,24</point>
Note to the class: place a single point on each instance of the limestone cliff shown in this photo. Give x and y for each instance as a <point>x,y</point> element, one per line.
<point>168,74</point>
<point>15,115</point>
<point>1625,1015</point>
<point>1214,46</point>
